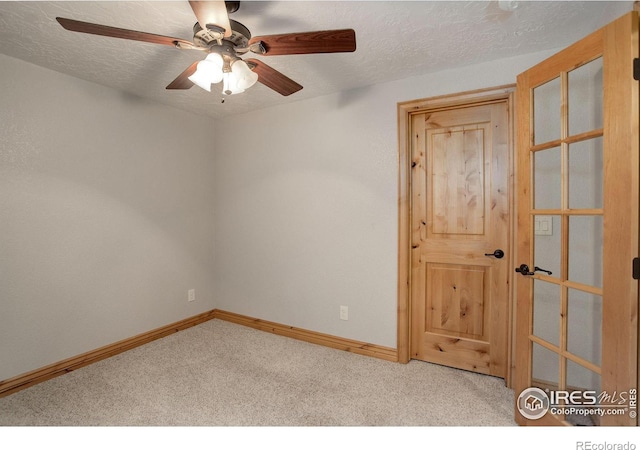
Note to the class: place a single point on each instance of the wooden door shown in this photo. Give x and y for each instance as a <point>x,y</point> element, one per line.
<point>460,237</point>
<point>578,167</point>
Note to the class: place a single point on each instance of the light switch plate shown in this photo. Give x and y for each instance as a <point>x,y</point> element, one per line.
<point>543,225</point>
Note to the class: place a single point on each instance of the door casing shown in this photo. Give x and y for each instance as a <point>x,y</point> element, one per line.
<point>405,111</point>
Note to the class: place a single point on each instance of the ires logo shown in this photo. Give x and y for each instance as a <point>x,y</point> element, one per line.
<point>574,398</point>
<point>533,403</point>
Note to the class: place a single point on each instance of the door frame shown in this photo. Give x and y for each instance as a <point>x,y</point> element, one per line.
<point>405,111</point>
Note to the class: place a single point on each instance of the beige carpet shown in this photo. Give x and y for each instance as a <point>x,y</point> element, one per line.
<point>222,374</point>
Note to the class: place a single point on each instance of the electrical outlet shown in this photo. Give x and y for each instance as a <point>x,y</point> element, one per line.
<point>191,295</point>
<point>344,313</point>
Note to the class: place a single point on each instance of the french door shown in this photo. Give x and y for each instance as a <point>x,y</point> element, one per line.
<point>577,233</point>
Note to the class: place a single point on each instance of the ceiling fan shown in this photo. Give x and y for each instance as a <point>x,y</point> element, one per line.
<point>224,40</point>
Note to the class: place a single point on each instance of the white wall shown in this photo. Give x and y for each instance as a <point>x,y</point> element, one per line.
<point>106,216</point>
<point>306,204</point>
<point>107,210</point>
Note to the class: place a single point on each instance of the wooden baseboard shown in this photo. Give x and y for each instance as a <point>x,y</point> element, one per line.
<point>349,345</point>
<point>28,379</point>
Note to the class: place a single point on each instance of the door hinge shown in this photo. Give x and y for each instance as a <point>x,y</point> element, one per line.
<point>636,268</point>
<point>636,69</point>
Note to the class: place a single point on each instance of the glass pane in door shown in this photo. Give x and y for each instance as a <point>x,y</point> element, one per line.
<point>585,97</point>
<point>585,250</point>
<point>547,165</point>
<point>546,311</point>
<point>584,325</point>
<point>547,244</point>
<point>546,112</point>
<point>545,368</point>
<point>582,379</point>
<point>585,174</point>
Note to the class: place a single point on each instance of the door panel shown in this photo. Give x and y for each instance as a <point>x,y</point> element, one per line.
<point>457,161</point>
<point>578,167</point>
<point>455,303</point>
<point>459,217</point>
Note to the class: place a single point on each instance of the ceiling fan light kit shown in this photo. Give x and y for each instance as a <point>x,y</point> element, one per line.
<point>208,72</point>
<point>224,40</point>
<point>222,64</point>
<point>239,79</point>
<point>215,68</point>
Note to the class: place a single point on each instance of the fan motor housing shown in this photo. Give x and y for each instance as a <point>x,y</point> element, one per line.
<point>240,35</point>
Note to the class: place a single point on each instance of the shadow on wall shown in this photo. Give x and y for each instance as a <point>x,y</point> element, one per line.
<point>346,98</point>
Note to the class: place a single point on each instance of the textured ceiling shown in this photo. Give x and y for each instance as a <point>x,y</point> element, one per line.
<point>394,40</point>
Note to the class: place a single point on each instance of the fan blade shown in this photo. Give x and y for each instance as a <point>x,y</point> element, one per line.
<point>332,41</point>
<point>273,79</point>
<point>121,33</point>
<point>183,81</point>
<point>212,12</point>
